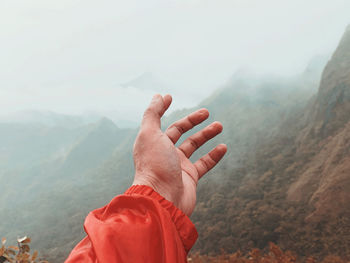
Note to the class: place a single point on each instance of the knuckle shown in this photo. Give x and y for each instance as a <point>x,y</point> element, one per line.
<point>193,143</point>
<point>190,121</point>
<point>205,135</point>
<point>204,163</point>
<point>179,128</point>
<point>176,127</point>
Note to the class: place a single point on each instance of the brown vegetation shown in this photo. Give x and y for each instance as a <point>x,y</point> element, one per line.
<point>19,253</point>
<point>275,255</point>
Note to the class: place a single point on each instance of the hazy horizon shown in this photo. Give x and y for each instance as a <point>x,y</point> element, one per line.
<point>73,57</point>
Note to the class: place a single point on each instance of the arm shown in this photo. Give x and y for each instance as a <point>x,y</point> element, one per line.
<point>149,222</point>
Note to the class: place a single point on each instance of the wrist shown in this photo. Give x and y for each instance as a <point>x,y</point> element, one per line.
<point>169,192</point>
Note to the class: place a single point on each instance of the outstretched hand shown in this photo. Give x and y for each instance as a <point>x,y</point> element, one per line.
<point>167,168</point>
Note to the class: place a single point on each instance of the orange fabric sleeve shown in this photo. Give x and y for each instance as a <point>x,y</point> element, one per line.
<point>138,226</point>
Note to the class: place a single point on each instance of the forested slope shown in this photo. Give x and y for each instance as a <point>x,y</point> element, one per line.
<point>294,188</point>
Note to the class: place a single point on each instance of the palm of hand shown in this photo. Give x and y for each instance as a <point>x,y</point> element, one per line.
<point>167,168</point>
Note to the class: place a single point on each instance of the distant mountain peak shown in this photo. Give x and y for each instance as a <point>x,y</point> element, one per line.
<point>146,81</point>
<point>337,69</point>
<point>332,106</point>
<point>105,123</point>
<point>47,118</point>
<point>317,64</point>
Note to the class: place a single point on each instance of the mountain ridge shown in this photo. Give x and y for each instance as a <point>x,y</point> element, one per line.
<point>327,174</point>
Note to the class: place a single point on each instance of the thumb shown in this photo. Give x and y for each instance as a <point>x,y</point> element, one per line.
<point>156,109</point>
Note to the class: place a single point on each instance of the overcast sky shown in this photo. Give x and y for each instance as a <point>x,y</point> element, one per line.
<point>71,56</point>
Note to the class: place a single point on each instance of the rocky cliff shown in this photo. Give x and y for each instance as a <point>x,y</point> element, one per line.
<point>326,177</point>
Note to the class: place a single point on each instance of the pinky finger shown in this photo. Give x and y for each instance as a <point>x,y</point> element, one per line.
<point>208,161</point>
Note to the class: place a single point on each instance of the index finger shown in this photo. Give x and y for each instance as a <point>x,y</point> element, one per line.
<point>179,127</point>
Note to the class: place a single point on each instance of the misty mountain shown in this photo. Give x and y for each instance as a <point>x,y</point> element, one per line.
<point>146,81</point>
<point>40,169</point>
<point>326,177</point>
<point>25,145</point>
<point>293,188</point>
<point>95,161</point>
<point>252,108</point>
<point>93,148</point>
<point>285,172</point>
<point>48,118</point>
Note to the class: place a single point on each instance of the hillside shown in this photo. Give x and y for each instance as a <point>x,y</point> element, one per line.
<point>327,174</point>
<point>294,188</point>
<point>46,172</point>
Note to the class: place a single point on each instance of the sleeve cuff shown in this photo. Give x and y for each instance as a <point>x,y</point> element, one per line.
<point>183,224</point>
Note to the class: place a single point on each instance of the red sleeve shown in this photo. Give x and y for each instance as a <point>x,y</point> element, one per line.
<point>138,226</point>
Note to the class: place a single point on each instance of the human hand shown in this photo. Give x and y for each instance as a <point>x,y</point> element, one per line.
<point>167,168</point>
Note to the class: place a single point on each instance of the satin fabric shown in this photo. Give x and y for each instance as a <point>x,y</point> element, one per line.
<point>138,226</point>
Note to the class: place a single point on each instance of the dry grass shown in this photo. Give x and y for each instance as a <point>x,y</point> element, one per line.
<point>19,253</point>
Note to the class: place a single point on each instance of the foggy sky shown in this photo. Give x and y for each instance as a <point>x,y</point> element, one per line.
<point>71,56</point>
